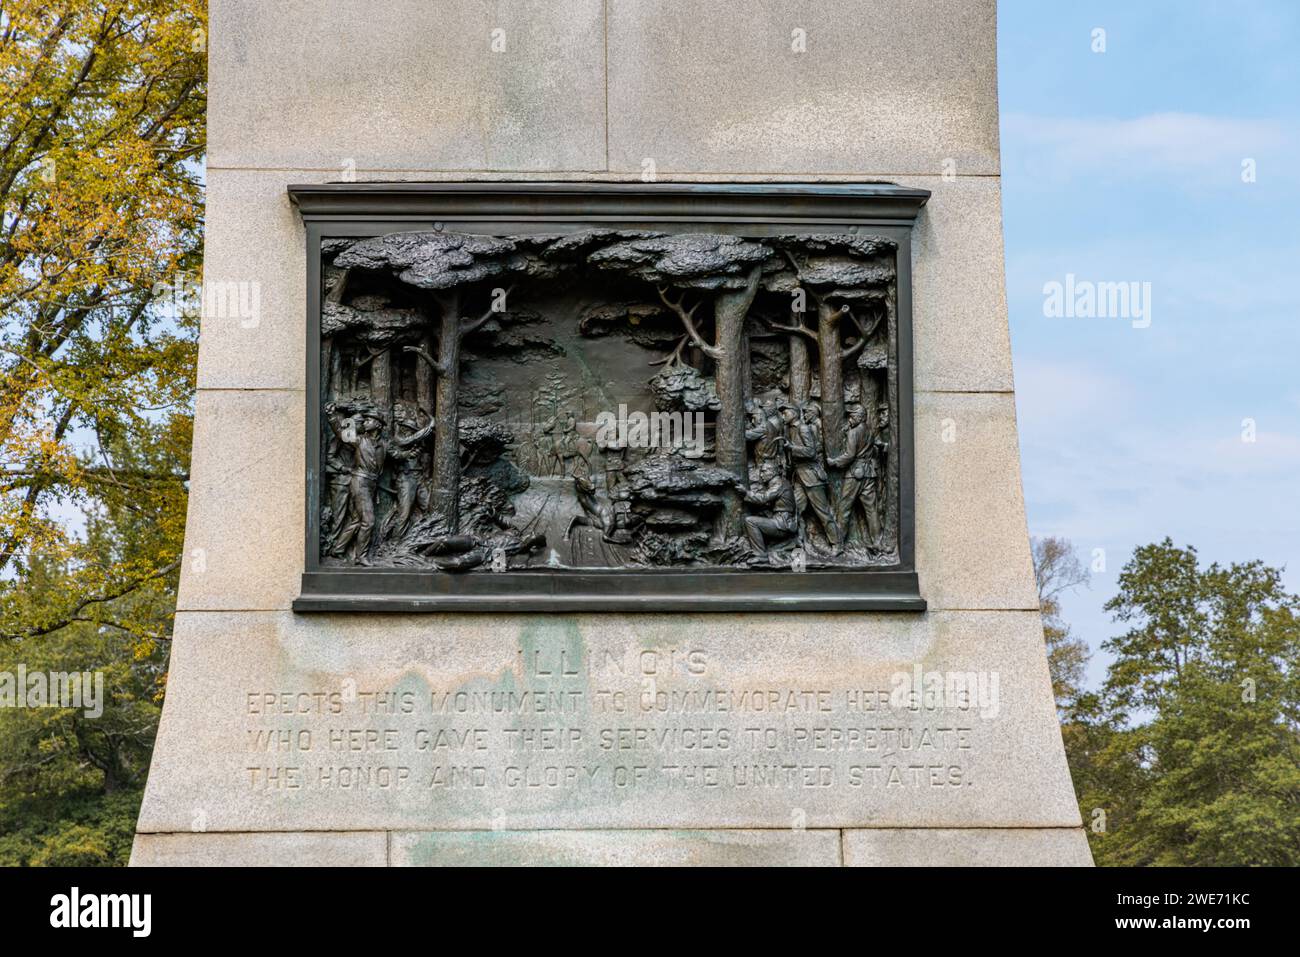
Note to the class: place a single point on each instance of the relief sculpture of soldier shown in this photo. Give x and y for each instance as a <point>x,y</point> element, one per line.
<point>570,458</point>
<point>365,437</point>
<point>766,431</point>
<point>811,483</point>
<point>338,479</point>
<point>411,454</point>
<point>775,495</point>
<point>859,485</point>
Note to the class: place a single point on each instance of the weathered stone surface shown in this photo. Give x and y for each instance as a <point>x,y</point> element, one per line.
<point>306,849</point>
<point>252,257</point>
<point>406,84</point>
<point>243,531</point>
<point>967,847</point>
<point>736,848</point>
<point>959,303</point>
<point>828,748</point>
<point>711,88</point>
<point>305,92</point>
<point>972,543</point>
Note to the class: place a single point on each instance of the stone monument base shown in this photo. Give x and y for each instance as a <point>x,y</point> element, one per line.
<point>602,739</point>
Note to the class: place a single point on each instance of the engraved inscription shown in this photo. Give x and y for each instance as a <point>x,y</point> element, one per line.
<point>594,729</point>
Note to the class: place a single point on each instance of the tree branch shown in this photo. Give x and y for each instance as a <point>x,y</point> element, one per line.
<point>75,612</point>
<point>799,329</point>
<point>437,367</point>
<point>675,356</point>
<point>798,274</point>
<point>688,320</point>
<point>467,328</point>
<point>863,334</point>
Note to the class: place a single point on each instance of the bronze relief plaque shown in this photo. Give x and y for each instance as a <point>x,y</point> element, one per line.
<point>562,397</point>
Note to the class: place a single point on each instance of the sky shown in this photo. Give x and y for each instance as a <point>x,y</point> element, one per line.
<point>1169,156</point>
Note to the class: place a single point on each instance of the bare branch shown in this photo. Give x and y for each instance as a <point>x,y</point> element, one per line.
<point>854,349</point>
<point>423,353</point>
<point>688,320</point>
<point>863,334</point>
<point>675,356</point>
<point>798,274</point>
<point>467,328</point>
<point>799,329</point>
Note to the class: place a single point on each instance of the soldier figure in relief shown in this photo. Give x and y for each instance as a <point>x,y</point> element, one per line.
<point>766,430</point>
<point>863,483</point>
<point>365,437</point>
<point>568,449</point>
<point>338,472</point>
<point>859,482</point>
<point>775,492</point>
<point>412,457</point>
<point>807,454</point>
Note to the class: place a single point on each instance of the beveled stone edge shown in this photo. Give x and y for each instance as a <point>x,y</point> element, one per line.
<point>398,591</point>
<point>371,847</point>
<point>705,836</point>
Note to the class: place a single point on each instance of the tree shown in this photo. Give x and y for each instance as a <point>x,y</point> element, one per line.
<point>70,783</point>
<point>1057,570</point>
<point>451,265</point>
<point>800,361</point>
<point>833,271</point>
<point>101,131</point>
<point>1191,749</point>
<point>724,270</point>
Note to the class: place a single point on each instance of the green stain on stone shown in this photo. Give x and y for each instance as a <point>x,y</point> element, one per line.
<point>551,648</point>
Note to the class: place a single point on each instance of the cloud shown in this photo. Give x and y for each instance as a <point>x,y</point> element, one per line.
<point>1196,278</point>
<point>1160,144</point>
<point>1101,468</point>
<point>1057,395</point>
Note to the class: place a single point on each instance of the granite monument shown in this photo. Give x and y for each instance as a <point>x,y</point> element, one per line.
<point>620,463</point>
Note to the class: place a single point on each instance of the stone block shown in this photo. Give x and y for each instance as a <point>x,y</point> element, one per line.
<point>338,86</point>
<point>772,86</point>
<point>479,722</point>
<point>616,848</point>
<point>967,847</point>
<point>307,849</point>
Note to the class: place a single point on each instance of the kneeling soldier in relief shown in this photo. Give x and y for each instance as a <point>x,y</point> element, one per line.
<point>775,492</point>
